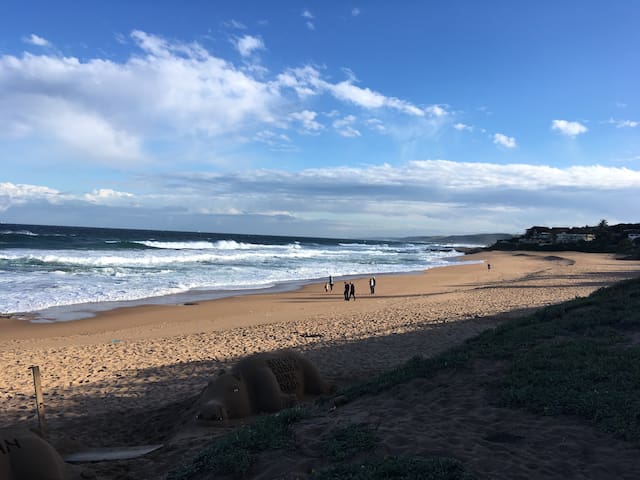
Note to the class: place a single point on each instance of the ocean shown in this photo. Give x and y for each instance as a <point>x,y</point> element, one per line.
<point>51,273</point>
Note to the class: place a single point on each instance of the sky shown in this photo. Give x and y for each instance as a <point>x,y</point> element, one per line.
<point>321,118</point>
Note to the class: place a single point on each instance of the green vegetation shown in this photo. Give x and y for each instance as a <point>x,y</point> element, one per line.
<point>348,441</point>
<point>398,468</point>
<point>233,453</point>
<point>580,358</point>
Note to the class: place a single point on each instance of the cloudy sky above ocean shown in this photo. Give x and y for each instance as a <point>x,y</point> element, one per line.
<point>320,118</point>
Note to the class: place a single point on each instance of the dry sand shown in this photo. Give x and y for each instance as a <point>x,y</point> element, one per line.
<point>129,376</point>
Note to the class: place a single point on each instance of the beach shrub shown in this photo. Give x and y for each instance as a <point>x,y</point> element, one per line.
<point>397,468</point>
<point>582,377</point>
<point>574,358</point>
<point>233,453</point>
<point>348,441</point>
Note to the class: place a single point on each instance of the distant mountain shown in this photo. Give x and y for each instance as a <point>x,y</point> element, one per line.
<point>485,239</point>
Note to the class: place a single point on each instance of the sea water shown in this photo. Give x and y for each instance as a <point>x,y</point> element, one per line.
<point>66,273</point>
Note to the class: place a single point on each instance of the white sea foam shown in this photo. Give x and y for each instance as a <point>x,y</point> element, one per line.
<point>34,280</point>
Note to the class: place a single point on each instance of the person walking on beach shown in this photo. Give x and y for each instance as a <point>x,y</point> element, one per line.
<point>372,285</point>
<point>352,292</point>
<point>330,283</point>
<point>346,291</point>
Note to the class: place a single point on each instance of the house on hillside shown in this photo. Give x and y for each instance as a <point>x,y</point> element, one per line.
<point>566,237</point>
<point>549,236</point>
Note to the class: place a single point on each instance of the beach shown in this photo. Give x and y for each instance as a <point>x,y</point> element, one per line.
<point>104,378</point>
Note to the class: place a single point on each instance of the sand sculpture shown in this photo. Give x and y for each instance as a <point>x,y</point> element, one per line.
<point>261,383</point>
<point>25,455</point>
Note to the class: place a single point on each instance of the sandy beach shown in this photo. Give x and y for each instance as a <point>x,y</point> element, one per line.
<point>115,379</point>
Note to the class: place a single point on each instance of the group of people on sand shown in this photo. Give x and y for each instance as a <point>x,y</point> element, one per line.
<point>349,291</point>
<point>350,288</point>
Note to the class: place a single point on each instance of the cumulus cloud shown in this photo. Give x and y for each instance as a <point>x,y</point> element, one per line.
<point>100,109</point>
<point>569,129</point>
<point>12,194</point>
<point>504,141</point>
<point>36,40</point>
<point>248,44</point>
<point>112,112</point>
<point>107,196</point>
<point>308,120</point>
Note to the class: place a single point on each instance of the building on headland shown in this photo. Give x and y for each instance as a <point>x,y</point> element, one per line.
<point>622,239</point>
<point>566,237</point>
<point>554,235</point>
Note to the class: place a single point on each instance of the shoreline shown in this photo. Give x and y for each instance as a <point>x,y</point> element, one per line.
<point>86,311</point>
<point>119,318</point>
<point>262,308</point>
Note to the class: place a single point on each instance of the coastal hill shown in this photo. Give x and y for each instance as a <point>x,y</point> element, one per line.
<point>622,239</point>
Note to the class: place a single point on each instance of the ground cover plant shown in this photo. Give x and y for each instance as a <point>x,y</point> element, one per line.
<point>397,468</point>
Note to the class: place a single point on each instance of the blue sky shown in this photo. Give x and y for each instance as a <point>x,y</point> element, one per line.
<point>320,118</point>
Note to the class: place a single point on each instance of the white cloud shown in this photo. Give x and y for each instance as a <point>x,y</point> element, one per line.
<point>12,194</point>
<point>461,126</point>
<point>623,123</point>
<point>235,24</point>
<point>308,120</point>
<point>345,127</point>
<point>112,112</point>
<point>107,196</point>
<point>112,107</point>
<point>309,16</point>
<point>376,124</point>
<point>504,141</point>
<point>275,141</point>
<point>248,44</point>
<point>355,12</point>
<point>570,129</point>
<point>307,81</point>
<point>36,40</point>
<point>436,111</point>
<point>367,98</point>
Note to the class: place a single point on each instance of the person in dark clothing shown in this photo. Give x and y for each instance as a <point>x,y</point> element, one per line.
<point>331,283</point>
<point>372,285</point>
<point>352,291</point>
<point>346,291</point>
